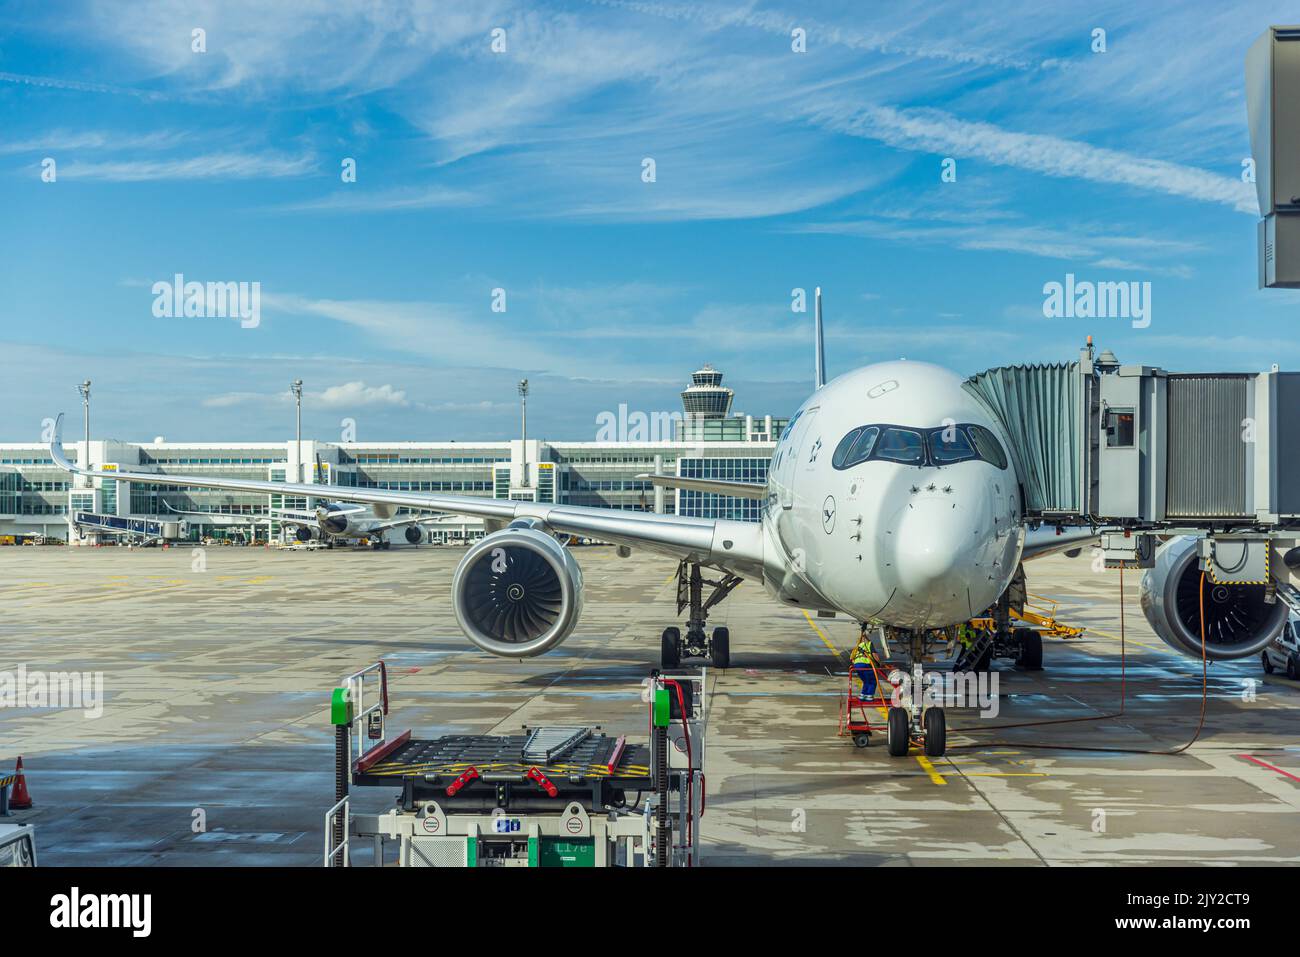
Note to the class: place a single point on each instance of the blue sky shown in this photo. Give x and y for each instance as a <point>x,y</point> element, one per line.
<point>522,170</point>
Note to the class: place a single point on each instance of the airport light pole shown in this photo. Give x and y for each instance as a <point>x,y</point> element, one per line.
<point>84,389</point>
<point>296,388</point>
<point>523,424</point>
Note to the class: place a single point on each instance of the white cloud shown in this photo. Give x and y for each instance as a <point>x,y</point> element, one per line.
<point>350,199</point>
<point>95,140</point>
<point>212,166</point>
<point>359,395</point>
<point>76,86</point>
<point>348,395</point>
<point>937,132</point>
<point>1078,244</point>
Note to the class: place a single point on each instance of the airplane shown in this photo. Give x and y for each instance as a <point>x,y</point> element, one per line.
<point>332,522</point>
<point>890,499</point>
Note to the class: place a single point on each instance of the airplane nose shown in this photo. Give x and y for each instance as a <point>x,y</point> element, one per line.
<point>929,558</point>
<point>937,558</point>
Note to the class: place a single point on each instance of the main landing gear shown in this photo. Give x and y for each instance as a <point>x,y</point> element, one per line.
<point>696,644</point>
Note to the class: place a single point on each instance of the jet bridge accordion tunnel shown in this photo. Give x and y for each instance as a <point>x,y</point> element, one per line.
<point>1179,473</point>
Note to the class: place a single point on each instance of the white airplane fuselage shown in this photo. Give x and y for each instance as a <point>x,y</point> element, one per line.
<point>913,536</point>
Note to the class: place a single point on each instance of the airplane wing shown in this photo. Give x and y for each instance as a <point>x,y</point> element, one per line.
<point>735,546</point>
<point>1049,540</point>
<point>717,486</point>
<point>406,520</point>
<point>286,516</point>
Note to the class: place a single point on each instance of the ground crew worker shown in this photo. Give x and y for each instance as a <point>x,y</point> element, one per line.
<point>864,662</point>
<point>966,637</point>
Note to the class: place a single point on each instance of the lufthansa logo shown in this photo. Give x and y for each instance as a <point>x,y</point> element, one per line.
<point>828,514</point>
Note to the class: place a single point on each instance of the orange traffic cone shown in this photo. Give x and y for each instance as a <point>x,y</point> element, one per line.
<point>20,800</point>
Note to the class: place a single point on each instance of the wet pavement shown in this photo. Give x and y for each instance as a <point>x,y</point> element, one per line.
<point>214,748</point>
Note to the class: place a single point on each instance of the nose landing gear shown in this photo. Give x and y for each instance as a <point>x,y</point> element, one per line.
<point>918,719</point>
<point>697,644</point>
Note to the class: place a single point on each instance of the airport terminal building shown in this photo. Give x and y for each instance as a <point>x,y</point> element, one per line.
<point>709,441</point>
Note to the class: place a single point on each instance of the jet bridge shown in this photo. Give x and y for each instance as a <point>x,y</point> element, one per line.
<point>1136,447</point>
<point>144,529</point>
<point>1193,476</point>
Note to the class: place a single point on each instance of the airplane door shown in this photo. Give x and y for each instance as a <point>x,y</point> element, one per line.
<point>794,458</point>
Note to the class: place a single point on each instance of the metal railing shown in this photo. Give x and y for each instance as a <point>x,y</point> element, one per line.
<point>356,685</point>
<point>332,854</point>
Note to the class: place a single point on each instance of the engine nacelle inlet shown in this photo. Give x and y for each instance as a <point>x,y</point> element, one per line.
<point>1238,621</point>
<point>414,535</point>
<point>517,593</point>
<point>303,534</point>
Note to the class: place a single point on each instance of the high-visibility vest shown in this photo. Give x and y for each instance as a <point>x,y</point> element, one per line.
<point>862,655</point>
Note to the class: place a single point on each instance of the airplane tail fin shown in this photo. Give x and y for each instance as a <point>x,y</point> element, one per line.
<point>819,346</point>
<point>57,454</point>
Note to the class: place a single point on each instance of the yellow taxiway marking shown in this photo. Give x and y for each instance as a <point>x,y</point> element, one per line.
<point>259,579</point>
<point>821,634</point>
<point>928,768</point>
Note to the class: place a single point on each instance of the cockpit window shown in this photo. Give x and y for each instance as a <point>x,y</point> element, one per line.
<point>937,447</point>
<point>855,447</point>
<point>951,444</point>
<point>901,445</point>
<point>988,446</point>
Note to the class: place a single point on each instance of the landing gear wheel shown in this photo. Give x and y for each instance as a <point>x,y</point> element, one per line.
<point>1268,665</point>
<point>1031,649</point>
<point>670,648</point>
<point>936,733</point>
<point>720,648</point>
<point>862,739</point>
<point>898,733</point>
<point>1293,668</point>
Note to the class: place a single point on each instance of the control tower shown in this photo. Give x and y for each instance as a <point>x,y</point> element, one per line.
<point>706,397</point>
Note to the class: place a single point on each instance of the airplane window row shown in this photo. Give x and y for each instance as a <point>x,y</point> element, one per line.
<point>946,445</point>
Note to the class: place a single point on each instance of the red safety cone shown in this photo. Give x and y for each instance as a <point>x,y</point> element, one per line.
<point>20,800</point>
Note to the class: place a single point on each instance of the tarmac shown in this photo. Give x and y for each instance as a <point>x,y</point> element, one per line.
<point>211,742</point>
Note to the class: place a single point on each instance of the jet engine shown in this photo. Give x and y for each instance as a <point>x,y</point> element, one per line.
<point>333,518</point>
<point>1238,621</point>
<point>303,533</point>
<point>413,534</point>
<point>517,592</point>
